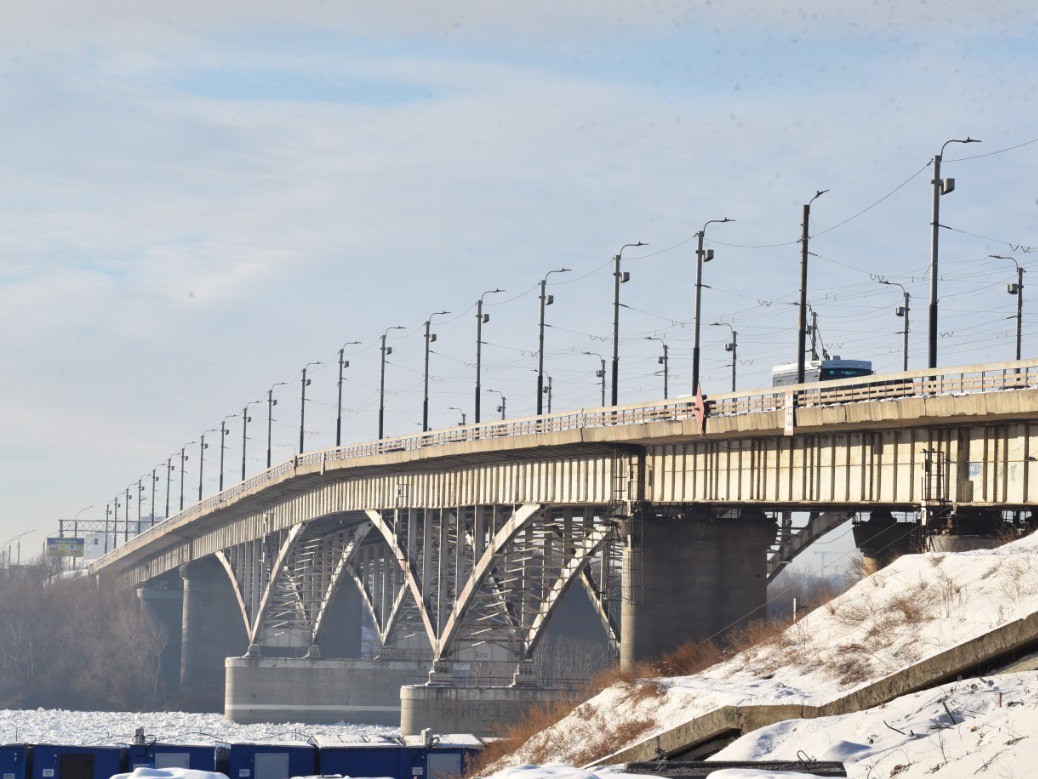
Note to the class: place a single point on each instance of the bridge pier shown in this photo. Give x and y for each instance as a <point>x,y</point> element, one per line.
<point>212,631</point>
<point>690,577</point>
<point>165,606</point>
<point>881,539</point>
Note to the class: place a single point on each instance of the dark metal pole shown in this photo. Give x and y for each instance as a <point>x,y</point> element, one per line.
<point>1019,308</point>
<point>802,328</point>
<point>618,279</point>
<point>154,478</point>
<point>202,446</point>
<point>904,365</point>
<point>271,402</point>
<point>940,187</point>
<point>546,300</point>
<point>701,257</point>
<point>547,391</point>
<point>386,351</point>
<point>481,319</point>
<point>304,383</point>
<point>108,512</point>
<point>126,531</point>
<point>338,414</point>
<point>169,481</point>
<point>664,361</point>
<point>429,338</point>
<point>540,347</point>
<point>735,355</point>
<point>140,501</point>
<point>183,458</point>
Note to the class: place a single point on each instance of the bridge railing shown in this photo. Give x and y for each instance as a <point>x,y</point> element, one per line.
<point>986,377</point>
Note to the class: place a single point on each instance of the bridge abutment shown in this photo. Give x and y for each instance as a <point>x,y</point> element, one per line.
<point>690,577</point>
<point>212,631</point>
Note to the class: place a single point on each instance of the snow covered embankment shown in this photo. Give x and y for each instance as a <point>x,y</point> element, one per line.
<point>922,619</point>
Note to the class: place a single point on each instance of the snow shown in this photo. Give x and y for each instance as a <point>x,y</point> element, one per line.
<point>919,606</point>
<point>57,726</point>
<point>563,771</point>
<point>169,773</point>
<point>976,727</point>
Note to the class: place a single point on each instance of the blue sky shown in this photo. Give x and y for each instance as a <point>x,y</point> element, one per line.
<point>203,197</point>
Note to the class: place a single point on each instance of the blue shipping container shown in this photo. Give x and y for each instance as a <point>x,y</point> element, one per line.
<point>13,760</point>
<point>265,761</point>
<point>50,761</point>
<point>197,757</point>
<point>367,756</point>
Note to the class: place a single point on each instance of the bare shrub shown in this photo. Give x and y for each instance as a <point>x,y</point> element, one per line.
<point>850,664</point>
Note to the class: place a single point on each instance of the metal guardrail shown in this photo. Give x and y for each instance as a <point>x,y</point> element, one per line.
<point>987,377</point>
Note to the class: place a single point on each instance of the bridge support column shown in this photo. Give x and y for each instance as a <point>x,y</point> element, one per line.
<point>881,540</point>
<point>213,629</point>
<point>689,578</point>
<point>164,605</point>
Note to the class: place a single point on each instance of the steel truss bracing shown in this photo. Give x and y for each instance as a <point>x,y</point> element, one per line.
<point>446,581</point>
<point>284,581</point>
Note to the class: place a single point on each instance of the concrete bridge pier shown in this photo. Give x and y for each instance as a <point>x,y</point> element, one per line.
<point>689,577</point>
<point>881,539</point>
<point>164,604</point>
<point>212,631</point>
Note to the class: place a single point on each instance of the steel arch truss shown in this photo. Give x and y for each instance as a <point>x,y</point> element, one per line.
<point>493,576</point>
<point>284,581</point>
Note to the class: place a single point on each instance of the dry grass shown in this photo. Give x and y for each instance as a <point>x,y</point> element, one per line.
<point>594,733</point>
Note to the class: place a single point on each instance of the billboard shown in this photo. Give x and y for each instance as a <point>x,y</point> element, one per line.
<point>65,547</point>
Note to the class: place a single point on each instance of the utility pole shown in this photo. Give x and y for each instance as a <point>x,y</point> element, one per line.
<point>386,351</point>
<point>600,373</point>
<point>701,257</point>
<point>271,402</point>
<point>1018,290</point>
<point>902,311</point>
<point>183,459</point>
<point>814,334</point>
<point>223,445</point>
<point>732,346</point>
<point>429,338</point>
<point>169,480</point>
<point>500,408</point>
<point>663,360</point>
<point>618,279</point>
<point>481,319</point>
<point>547,391</point>
<point>940,187</point>
<point>304,383</point>
<point>338,415</point>
<point>245,419</point>
<point>802,328</point>
<point>546,300</point>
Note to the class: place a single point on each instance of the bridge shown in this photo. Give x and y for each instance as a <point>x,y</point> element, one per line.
<point>660,522</point>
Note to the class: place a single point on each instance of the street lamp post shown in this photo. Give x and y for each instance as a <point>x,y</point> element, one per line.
<point>802,326</point>
<point>732,346</point>
<point>202,446</point>
<point>618,279</point>
<point>940,187</point>
<point>386,351</point>
<point>600,373</point>
<point>140,502</point>
<point>154,481</point>
<point>245,419</point>
<point>455,408</point>
<point>501,409</point>
<point>663,360</point>
<point>271,402</point>
<point>429,338</point>
<point>223,445</point>
<point>338,406</point>
<point>547,392</point>
<point>183,458</point>
<point>126,512</point>
<point>303,384</point>
<point>481,319</point>
<point>701,257</point>
<point>108,516</point>
<point>1018,290</point>
<point>546,300</point>
<point>169,480</point>
<point>902,311</point>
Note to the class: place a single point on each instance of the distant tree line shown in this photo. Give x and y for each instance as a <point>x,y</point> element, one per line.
<point>67,643</point>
